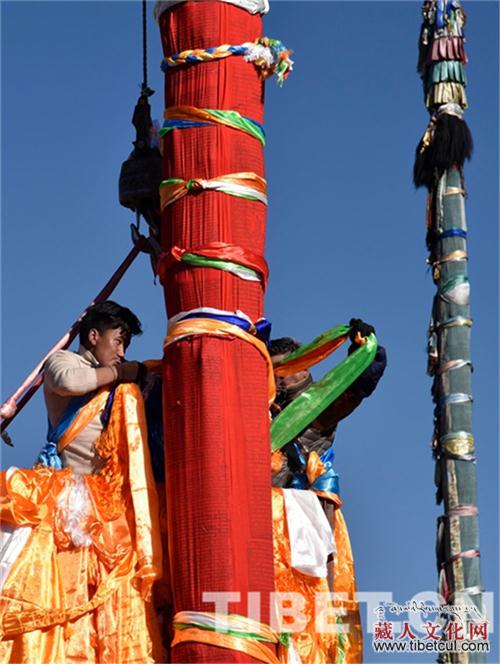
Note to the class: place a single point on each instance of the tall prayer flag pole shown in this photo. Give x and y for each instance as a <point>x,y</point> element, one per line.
<point>440,158</point>
<point>217,374</point>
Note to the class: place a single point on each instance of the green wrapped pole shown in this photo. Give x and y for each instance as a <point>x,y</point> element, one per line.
<point>441,154</point>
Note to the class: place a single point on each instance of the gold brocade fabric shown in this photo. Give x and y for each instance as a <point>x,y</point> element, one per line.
<point>345,582</point>
<point>65,603</point>
<point>317,643</point>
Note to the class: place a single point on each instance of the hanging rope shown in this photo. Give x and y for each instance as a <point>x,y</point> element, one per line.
<point>145,90</point>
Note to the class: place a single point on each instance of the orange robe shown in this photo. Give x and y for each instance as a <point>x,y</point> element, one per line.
<point>317,642</point>
<point>63,602</point>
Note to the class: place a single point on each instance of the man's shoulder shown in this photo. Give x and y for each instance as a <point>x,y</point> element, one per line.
<point>62,357</point>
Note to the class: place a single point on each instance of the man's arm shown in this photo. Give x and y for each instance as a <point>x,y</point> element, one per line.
<point>66,377</point>
<point>362,387</point>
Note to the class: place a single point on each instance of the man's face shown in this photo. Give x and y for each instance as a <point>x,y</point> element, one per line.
<point>287,382</point>
<point>108,347</point>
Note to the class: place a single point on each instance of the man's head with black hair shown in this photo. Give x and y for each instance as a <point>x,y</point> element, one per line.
<point>287,386</point>
<point>106,330</point>
<point>282,346</point>
<point>109,315</point>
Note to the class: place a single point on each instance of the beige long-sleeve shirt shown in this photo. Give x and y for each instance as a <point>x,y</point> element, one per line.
<point>66,375</point>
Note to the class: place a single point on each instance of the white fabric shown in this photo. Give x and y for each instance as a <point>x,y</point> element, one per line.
<point>311,536</point>
<point>459,295</point>
<point>74,503</point>
<point>252,6</point>
<point>207,310</point>
<point>293,655</point>
<point>233,189</point>
<point>12,541</point>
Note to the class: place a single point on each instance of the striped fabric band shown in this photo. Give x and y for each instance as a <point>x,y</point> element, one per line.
<point>185,117</point>
<point>243,185</point>
<point>219,255</point>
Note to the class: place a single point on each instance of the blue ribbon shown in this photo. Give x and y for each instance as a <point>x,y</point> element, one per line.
<point>262,327</point>
<point>328,481</point>
<point>49,455</point>
<point>187,124</point>
<point>184,124</point>
<point>440,9</point>
<point>453,232</point>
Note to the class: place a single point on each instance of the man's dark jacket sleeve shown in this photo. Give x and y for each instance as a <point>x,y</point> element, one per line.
<point>362,387</point>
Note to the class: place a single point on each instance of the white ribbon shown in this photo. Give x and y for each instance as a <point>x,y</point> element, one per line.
<point>311,536</point>
<point>207,310</point>
<point>12,541</point>
<point>458,295</point>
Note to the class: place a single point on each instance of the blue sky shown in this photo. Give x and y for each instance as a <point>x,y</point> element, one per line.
<point>345,234</point>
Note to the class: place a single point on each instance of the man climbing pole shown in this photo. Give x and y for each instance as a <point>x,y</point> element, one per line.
<point>81,545</point>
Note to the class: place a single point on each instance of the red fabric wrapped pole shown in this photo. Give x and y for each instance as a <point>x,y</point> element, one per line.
<point>215,396</point>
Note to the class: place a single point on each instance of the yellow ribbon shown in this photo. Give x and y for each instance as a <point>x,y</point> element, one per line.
<point>460,445</point>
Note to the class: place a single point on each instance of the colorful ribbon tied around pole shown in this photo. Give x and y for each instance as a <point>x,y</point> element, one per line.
<point>243,185</point>
<point>270,56</point>
<point>237,260</point>
<point>232,632</point>
<point>309,404</point>
<point>186,117</point>
<point>222,324</point>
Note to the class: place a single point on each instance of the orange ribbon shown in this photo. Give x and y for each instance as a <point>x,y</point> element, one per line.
<point>194,326</point>
<point>315,356</point>
<point>85,415</point>
<point>255,649</point>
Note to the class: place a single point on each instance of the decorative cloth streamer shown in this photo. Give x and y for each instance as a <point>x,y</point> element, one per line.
<point>463,510</point>
<point>243,185</point>
<point>471,553</point>
<point>465,592</point>
<point>456,290</point>
<point>270,56</point>
<point>188,328</point>
<point>444,93</point>
<point>251,6</point>
<point>447,48</point>
<point>453,232</point>
<point>228,631</point>
<point>219,255</point>
<point>311,536</point>
<point>454,191</point>
<point>447,70</point>
<point>453,364</point>
<point>310,354</point>
<point>457,255</point>
<point>184,117</point>
<point>261,329</point>
<point>308,405</point>
<point>459,443</point>
<point>455,321</point>
<point>456,397</point>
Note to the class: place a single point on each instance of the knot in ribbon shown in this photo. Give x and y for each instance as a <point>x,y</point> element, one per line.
<point>194,184</point>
